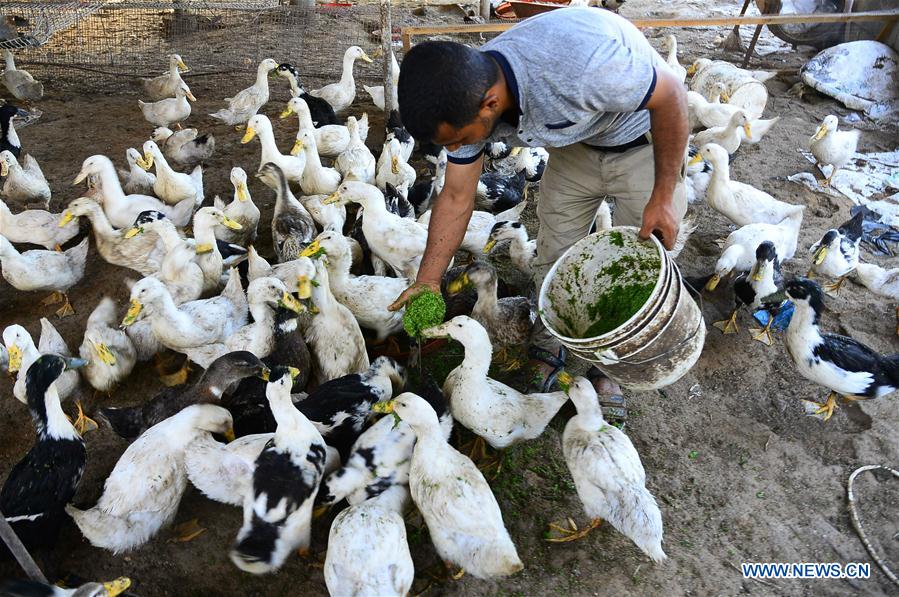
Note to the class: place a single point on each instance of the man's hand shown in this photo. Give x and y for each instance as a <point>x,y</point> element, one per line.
<point>414,290</point>
<point>660,219</point>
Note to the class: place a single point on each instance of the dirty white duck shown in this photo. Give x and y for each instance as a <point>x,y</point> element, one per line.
<point>356,162</point>
<point>331,139</point>
<point>122,209</point>
<point>759,128</point>
<point>522,251</point>
<point>341,94</point>
<point>477,234</point>
<point>245,104</point>
<point>836,254</point>
<point>241,209</point>
<point>728,136</point>
<point>143,254</point>
<point>191,325</point>
<point>499,414</point>
<point>20,83</point>
<point>278,511</point>
<point>741,203</point>
<point>47,271</point>
<point>463,517</point>
<point>316,179</point>
<point>393,168</point>
<point>608,474</point>
<point>673,64</point>
<point>377,92</point>
<point>171,186</point>
<point>366,296</point>
<point>833,147</point>
<point>292,225</point>
<point>169,111</point>
<point>25,182</point>
<point>22,353</point>
<point>109,352</point>
<point>880,281</point>
<point>36,227</point>
<point>209,256</point>
<point>329,217</point>
<point>292,166</point>
<point>758,75</point>
<point>738,254</point>
<point>368,553</point>
<point>333,320</point>
<point>144,489</point>
<point>224,472</point>
<point>166,85</point>
<point>186,147</point>
<point>179,270</point>
<point>707,113</point>
<point>137,181</point>
<point>297,274</point>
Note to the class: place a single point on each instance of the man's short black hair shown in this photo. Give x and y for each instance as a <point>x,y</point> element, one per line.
<point>443,81</point>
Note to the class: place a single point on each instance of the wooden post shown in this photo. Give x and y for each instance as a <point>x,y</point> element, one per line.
<point>17,548</point>
<point>485,10</point>
<point>390,100</point>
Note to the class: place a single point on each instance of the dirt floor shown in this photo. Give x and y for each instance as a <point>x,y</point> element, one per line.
<point>740,472</point>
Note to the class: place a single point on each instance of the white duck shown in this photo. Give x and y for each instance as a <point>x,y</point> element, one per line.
<point>494,411</point>
<point>331,139</point>
<point>22,353</point>
<point>209,257</point>
<point>759,128</point>
<point>522,252</point>
<point>166,85</point>
<point>880,281</point>
<point>143,491</point>
<point>144,254</point>
<point>109,352</point>
<point>393,168</point>
<point>187,147</point>
<point>241,210</point>
<point>377,92</point>
<point>297,273</point>
<point>169,111</point>
<point>356,162</point>
<point>224,472</point>
<point>292,166</point>
<point>608,474</point>
<point>398,241</point>
<point>728,136</point>
<point>191,325</point>
<point>278,512</point>
<point>463,517</point>
<point>121,209</point>
<point>741,203</point>
<point>676,69</point>
<point>316,179</point>
<point>368,553</point>
<point>330,217</point>
<point>179,270</point>
<point>25,183</point>
<point>171,186</point>
<point>137,180</point>
<point>333,320</point>
<point>40,270</point>
<point>366,296</point>
<point>836,253</point>
<point>833,147</point>
<point>340,95</point>
<point>19,82</point>
<point>709,114</point>
<point>36,227</point>
<point>245,104</point>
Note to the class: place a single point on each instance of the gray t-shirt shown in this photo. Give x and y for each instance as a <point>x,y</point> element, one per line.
<point>579,75</point>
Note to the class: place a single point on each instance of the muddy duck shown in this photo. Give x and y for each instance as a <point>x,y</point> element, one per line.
<point>241,209</point>
<point>166,85</point>
<point>341,94</point>
<point>45,271</point>
<point>25,182</point>
<point>246,103</point>
<point>109,352</point>
<point>36,227</point>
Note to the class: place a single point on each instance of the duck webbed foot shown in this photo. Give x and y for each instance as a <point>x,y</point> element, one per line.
<point>569,531</point>
<point>728,326</point>
<point>823,410</point>
<point>763,335</point>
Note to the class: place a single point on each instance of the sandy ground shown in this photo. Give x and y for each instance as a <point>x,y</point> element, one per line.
<point>740,472</point>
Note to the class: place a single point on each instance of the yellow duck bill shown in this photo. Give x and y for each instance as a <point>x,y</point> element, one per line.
<point>133,312</point>
<point>15,359</point>
<point>384,407</point>
<point>489,246</point>
<point>248,136</point>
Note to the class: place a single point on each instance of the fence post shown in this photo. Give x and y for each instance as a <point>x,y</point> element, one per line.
<point>390,100</point>
<point>17,548</point>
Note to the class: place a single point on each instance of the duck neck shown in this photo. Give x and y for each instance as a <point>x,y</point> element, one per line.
<point>169,315</point>
<point>269,147</point>
<point>346,77</point>
<point>55,424</point>
<point>720,174</point>
<point>672,52</point>
<point>478,355</point>
<point>100,223</point>
<point>10,61</point>
<point>305,118</point>
<point>262,79</point>
<point>263,314</point>
<point>9,132</point>
<point>312,160</point>
<point>339,268</point>
<point>487,299</point>
<point>322,296</point>
<point>204,234</point>
<point>109,182</point>
<point>804,323</point>
<point>162,166</point>
<point>5,212</point>
<point>169,236</point>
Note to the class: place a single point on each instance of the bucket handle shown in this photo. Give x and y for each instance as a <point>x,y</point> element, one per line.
<point>604,355</point>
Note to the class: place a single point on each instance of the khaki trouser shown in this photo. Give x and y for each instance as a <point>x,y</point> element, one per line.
<point>577,178</point>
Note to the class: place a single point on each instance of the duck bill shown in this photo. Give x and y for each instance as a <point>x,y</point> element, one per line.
<point>385,407</point>
<point>133,313</point>
<point>80,178</point>
<point>332,198</point>
<point>820,132</point>
<point>265,374</point>
<point>104,353</point>
<point>820,254</point>
<point>565,380</point>
<point>248,136</point>
<point>366,58</point>
<point>712,284</point>
<point>67,217</point>
<point>287,111</point>
<point>133,231</point>
<point>695,160</point>
<point>395,165</point>
<point>203,248</point>
<point>190,95</point>
<point>747,128</point>
<point>457,285</point>
<point>242,194</point>
<point>4,168</point>
<point>182,67</point>
<point>437,331</point>
<point>759,274</point>
<point>294,372</point>
<point>297,148</point>
<point>515,151</point>
<point>725,97</point>
<point>312,249</point>
<point>289,302</point>
<point>73,363</point>
<point>304,287</point>
<point>15,359</point>
<point>146,162</point>
<point>232,224</point>
<point>229,435</point>
<point>691,70</point>
<point>489,246</point>
<point>118,586</point>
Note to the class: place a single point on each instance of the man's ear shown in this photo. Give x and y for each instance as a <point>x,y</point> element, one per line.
<point>490,105</point>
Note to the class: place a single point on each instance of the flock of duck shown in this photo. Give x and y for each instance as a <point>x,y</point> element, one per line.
<point>284,420</point>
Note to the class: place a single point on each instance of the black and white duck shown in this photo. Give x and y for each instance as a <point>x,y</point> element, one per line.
<point>131,421</point>
<point>278,516</point>
<point>836,254</point>
<point>321,111</point>
<point>844,366</point>
<point>498,192</point>
<point>424,192</point>
<point>9,139</point>
<point>35,493</point>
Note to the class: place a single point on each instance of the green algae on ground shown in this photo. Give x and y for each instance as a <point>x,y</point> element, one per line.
<point>423,311</point>
<point>616,306</point>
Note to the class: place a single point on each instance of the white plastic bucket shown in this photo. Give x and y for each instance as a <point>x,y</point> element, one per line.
<point>746,92</point>
<point>658,344</point>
